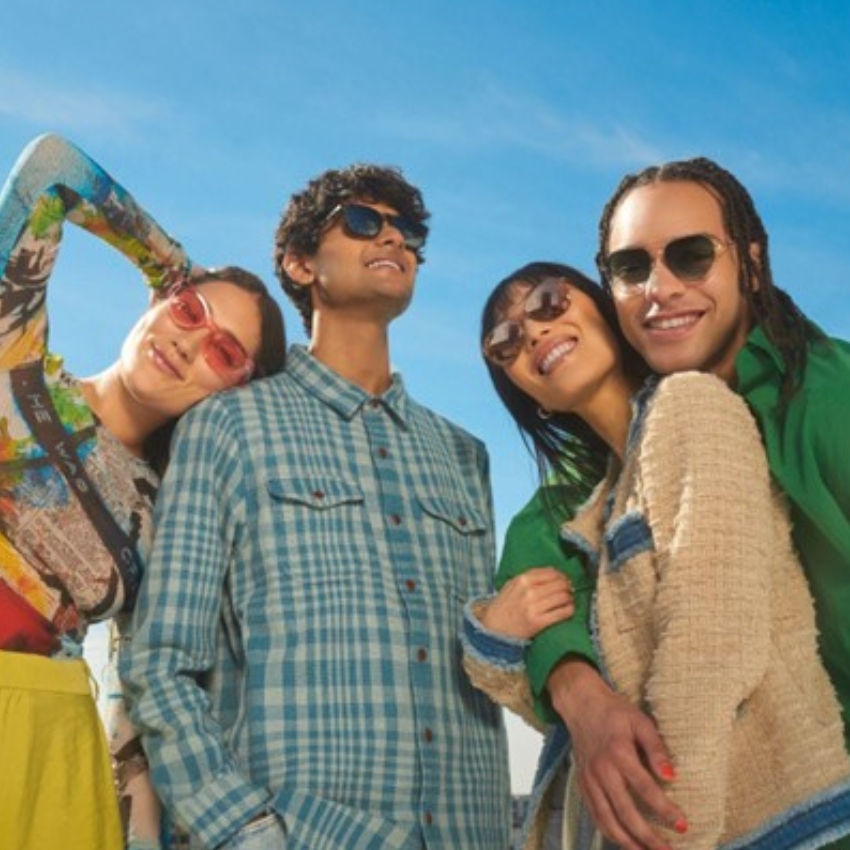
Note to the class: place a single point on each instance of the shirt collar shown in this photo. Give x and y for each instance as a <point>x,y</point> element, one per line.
<point>341,395</point>
<point>758,361</point>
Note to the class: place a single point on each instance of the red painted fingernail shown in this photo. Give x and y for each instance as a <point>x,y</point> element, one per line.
<point>681,826</point>
<point>667,771</point>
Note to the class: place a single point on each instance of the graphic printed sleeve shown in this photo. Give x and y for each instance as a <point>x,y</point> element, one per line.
<point>54,181</point>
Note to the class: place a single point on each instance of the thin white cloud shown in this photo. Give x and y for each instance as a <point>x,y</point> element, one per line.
<point>30,100</point>
<point>491,116</point>
<point>797,170</point>
<point>535,124</point>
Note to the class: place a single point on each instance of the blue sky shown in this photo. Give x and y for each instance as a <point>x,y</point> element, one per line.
<point>516,118</point>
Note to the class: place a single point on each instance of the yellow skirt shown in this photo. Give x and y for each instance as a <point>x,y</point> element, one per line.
<point>57,788</point>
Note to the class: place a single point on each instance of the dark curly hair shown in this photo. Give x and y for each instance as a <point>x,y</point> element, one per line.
<point>772,308</point>
<point>568,451</point>
<point>305,217</point>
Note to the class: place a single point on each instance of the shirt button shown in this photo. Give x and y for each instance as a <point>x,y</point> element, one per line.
<point>318,494</point>
<point>395,519</point>
<point>382,452</point>
<point>462,521</point>
<point>410,584</point>
<point>428,818</point>
<point>421,654</point>
<point>375,403</point>
<point>428,736</point>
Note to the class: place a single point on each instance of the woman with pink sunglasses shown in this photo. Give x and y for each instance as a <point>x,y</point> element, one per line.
<point>701,614</point>
<point>79,466</point>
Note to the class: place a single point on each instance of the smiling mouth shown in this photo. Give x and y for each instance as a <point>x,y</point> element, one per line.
<point>555,355</point>
<point>384,263</point>
<point>673,323</point>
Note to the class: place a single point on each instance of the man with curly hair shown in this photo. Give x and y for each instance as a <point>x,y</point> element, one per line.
<point>296,665</point>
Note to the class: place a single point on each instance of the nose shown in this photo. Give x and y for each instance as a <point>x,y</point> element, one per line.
<point>662,284</point>
<point>534,332</point>
<point>390,234</point>
<point>189,344</point>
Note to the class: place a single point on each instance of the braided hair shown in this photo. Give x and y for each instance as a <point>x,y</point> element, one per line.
<point>785,326</point>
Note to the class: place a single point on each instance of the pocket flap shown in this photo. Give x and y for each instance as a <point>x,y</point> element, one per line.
<point>318,493</point>
<point>461,515</point>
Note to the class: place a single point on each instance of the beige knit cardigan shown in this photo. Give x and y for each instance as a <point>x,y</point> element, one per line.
<point>707,622</point>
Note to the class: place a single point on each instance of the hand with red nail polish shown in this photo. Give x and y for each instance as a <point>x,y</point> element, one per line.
<point>619,757</point>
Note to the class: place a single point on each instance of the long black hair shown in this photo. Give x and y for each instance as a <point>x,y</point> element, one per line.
<point>569,453</point>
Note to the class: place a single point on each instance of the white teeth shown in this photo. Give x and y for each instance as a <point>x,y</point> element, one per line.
<point>672,322</point>
<point>560,350</point>
<point>390,263</point>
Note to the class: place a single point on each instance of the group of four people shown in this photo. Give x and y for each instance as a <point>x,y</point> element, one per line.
<point>293,663</point>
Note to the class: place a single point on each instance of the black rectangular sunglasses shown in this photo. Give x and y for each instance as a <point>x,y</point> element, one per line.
<point>362,222</point>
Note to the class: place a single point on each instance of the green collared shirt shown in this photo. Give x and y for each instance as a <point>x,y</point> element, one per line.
<point>809,454</point>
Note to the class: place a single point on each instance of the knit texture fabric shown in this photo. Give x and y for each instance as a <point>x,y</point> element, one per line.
<point>708,622</point>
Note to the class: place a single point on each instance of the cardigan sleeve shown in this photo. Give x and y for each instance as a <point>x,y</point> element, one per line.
<point>709,504</point>
<point>495,664</point>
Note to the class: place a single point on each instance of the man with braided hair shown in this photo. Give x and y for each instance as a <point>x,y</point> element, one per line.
<point>684,254</point>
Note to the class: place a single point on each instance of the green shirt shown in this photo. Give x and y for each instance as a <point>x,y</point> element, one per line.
<point>808,449</point>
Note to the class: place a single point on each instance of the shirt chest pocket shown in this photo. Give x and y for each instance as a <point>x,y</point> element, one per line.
<point>455,536</point>
<point>318,527</point>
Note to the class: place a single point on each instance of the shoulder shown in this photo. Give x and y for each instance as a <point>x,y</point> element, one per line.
<point>828,367</point>
<point>229,410</point>
<point>688,399</point>
<point>694,415</point>
<point>690,387</point>
<point>426,418</point>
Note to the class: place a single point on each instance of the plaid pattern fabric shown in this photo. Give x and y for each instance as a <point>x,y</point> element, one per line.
<point>315,549</point>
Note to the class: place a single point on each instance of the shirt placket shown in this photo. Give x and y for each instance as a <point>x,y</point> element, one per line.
<point>402,539</point>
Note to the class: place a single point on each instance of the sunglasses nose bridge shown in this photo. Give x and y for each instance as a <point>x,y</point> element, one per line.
<point>390,231</point>
<point>195,340</point>
<point>662,280</point>
<point>533,331</point>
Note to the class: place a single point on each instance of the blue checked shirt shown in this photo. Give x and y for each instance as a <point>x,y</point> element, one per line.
<point>296,635</point>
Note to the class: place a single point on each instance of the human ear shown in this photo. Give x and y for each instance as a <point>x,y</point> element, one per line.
<point>299,268</point>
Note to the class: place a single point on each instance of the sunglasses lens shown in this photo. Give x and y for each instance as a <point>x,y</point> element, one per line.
<point>224,353</point>
<point>547,301</point>
<point>362,222</point>
<point>412,233</point>
<point>366,223</point>
<point>187,309</point>
<point>690,258</point>
<point>630,266</point>
<point>503,343</point>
